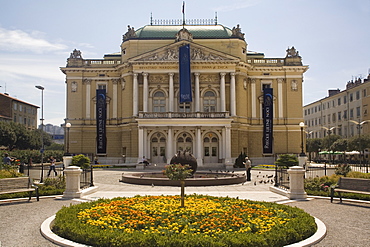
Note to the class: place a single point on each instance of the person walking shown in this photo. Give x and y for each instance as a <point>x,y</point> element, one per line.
<point>248,166</point>
<point>52,166</point>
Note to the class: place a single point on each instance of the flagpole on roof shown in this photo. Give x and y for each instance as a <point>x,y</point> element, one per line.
<point>183,14</point>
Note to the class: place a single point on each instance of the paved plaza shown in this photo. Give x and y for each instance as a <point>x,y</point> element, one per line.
<point>347,223</point>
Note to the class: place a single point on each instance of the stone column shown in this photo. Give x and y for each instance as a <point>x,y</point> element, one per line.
<point>171,93</point>
<point>253,97</point>
<point>280,98</point>
<point>115,97</point>
<point>222,92</point>
<point>296,182</point>
<point>140,141</point>
<point>88,98</point>
<point>135,96</point>
<point>232,95</point>
<point>145,92</point>
<point>197,93</point>
<point>199,147</point>
<point>72,182</point>
<point>170,145</point>
<point>228,161</point>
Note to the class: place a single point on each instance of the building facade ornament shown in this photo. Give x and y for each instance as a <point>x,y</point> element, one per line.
<point>129,34</point>
<point>184,34</point>
<point>74,87</point>
<point>237,32</point>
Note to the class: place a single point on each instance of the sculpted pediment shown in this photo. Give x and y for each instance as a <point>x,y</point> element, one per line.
<point>171,53</point>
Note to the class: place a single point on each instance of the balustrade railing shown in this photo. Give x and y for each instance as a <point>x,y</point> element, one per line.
<point>266,61</point>
<point>101,62</point>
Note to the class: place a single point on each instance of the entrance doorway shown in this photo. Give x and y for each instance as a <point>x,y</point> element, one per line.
<point>185,143</point>
<point>210,146</point>
<point>158,148</point>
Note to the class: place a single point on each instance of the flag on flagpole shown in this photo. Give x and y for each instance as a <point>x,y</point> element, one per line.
<point>185,75</point>
<point>183,7</point>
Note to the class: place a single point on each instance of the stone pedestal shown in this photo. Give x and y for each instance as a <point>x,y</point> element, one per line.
<point>72,174</point>
<point>67,161</point>
<point>296,181</point>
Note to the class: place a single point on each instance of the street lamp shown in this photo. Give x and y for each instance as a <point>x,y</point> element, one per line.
<point>42,132</point>
<point>301,124</point>
<point>68,126</point>
<point>329,132</point>
<point>359,126</point>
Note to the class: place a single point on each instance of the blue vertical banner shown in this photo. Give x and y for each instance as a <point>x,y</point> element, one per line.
<point>267,121</point>
<point>101,116</point>
<point>185,75</point>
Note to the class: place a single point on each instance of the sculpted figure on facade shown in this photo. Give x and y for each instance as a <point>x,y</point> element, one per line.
<point>76,54</point>
<point>237,32</point>
<point>74,86</point>
<point>292,52</point>
<point>294,85</point>
<point>184,34</point>
<point>130,33</point>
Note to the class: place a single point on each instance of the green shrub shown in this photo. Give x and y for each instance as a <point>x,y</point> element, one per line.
<point>81,161</point>
<point>342,170</point>
<point>287,160</point>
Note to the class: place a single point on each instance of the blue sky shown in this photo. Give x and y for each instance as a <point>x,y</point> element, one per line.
<point>36,38</point>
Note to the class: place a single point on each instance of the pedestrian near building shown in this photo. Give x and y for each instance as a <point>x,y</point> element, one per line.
<point>248,166</point>
<point>52,166</point>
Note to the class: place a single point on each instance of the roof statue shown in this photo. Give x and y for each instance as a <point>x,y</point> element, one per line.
<point>130,33</point>
<point>76,54</point>
<point>184,34</point>
<point>292,52</point>
<point>237,32</point>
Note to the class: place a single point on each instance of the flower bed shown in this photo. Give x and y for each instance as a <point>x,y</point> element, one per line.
<point>204,221</point>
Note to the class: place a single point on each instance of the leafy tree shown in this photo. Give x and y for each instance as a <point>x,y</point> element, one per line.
<point>81,161</point>
<point>8,137</point>
<point>339,145</point>
<point>359,143</point>
<point>328,140</point>
<point>287,160</point>
<point>313,145</point>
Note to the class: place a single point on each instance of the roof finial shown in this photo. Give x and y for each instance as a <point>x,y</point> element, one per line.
<point>216,18</point>
<point>151,18</point>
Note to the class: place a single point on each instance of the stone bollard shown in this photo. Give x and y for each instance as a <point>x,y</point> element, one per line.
<point>72,174</point>
<point>67,161</point>
<point>296,177</point>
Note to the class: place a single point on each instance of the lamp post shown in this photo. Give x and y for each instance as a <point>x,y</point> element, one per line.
<point>329,132</point>
<point>359,126</point>
<point>301,124</point>
<point>68,126</point>
<point>42,132</point>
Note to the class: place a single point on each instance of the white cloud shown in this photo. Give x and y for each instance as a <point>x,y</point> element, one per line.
<point>238,4</point>
<point>18,40</point>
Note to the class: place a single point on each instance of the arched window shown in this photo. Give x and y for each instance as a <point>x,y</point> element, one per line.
<point>159,102</point>
<point>209,102</point>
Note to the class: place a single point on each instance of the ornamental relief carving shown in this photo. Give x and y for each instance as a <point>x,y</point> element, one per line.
<point>209,78</point>
<point>172,54</point>
<point>158,78</point>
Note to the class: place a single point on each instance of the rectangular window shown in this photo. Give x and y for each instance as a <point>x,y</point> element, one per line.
<point>358,111</point>
<point>339,116</point>
<point>329,119</point>
<point>357,95</point>
<point>351,113</point>
<point>20,108</point>
<point>345,114</point>
<point>15,106</point>
<point>350,97</point>
<point>339,101</point>
<point>345,99</point>
<point>364,93</point>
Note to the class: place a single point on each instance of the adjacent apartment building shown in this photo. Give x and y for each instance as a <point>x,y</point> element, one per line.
<point>18,111</point>
<point>345,113</point>
<point>225,116</point>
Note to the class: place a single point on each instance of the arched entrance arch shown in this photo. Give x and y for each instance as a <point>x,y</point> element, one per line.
<point>210,148</point>
<point>158,148</point>
<point>184,142</point>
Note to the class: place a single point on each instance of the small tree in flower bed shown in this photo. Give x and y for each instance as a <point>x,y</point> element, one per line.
<point>179,172</point>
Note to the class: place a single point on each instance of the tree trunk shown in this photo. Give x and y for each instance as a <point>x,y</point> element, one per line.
<point>182,182</point>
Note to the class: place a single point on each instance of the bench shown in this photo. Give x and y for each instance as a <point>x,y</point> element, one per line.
<point>351,185</point>
<point>20,184</point>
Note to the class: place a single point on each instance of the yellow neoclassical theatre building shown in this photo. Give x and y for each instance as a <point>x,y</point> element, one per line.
<point>224,118</point>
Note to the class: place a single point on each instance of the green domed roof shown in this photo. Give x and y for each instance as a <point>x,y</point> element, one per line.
<point>198,32</point>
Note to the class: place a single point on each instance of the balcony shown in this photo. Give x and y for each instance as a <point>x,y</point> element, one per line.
<point>157,115</point>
